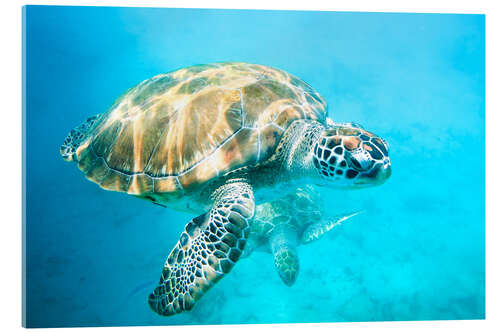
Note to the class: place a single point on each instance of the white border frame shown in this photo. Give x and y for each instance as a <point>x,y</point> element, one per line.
<point>11,163</point>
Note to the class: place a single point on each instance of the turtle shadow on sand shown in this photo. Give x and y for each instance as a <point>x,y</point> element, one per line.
<point>216,140</point>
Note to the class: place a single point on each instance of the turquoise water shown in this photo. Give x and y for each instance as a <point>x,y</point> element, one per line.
<point>416,253</point>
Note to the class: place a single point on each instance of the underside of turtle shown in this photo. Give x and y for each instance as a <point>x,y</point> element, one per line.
<point>280,226</point>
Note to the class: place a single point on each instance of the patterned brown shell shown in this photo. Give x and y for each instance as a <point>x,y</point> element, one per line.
<point>179,130</point>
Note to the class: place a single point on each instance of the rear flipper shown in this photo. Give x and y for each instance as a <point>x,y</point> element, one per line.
<point>316,230</point>
<point>207,250</point>
<point>283,243</point>
<point>75,137</point>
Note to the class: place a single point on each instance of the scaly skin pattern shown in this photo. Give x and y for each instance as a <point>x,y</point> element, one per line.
<point>282,225</point>
<point>204,139</point>
<point>75,138</point>
<point>283,242</point>
<point>278,226</point>
<point>207,250</point>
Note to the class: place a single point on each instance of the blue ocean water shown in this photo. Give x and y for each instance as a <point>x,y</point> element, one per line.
<point>416,253</point>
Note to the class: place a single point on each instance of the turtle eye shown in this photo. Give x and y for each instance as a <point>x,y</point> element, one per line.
<point>360,159</point>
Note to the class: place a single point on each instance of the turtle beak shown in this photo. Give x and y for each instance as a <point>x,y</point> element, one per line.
<point>385,172</point>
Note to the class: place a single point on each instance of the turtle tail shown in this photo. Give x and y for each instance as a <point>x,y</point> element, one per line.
<point>76,137</point>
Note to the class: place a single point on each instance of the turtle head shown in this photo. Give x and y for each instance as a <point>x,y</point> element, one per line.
<point>349,156</point>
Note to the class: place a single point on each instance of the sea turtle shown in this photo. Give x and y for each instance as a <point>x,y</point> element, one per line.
<point>281,225</point>
<point>213,140</point>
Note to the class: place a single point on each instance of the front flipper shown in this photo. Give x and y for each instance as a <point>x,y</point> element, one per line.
<point>207,250</point>
<point>316,230</point>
